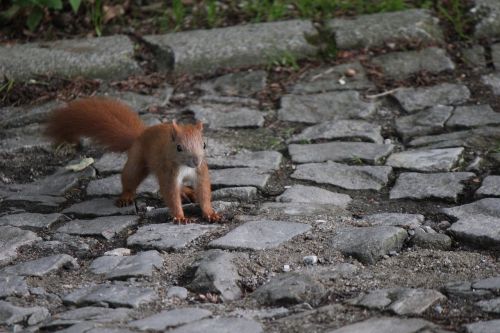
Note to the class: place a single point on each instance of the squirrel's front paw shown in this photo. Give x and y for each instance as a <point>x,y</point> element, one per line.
<point>212,217</point>
<point>181,220</point>
<point>125,200</point>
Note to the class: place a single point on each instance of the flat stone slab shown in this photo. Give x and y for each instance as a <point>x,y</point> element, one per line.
<point>169,319</point>
<point>244,84</point>
<point>315,195</point>
<point>482,137</point>
<point>239,177</point>
<point>215,272</point>
<point>221,325</point>
<point>484,326</point>
<point>318,108</point>
<point>490,306</point>
<point>389,324</point>
<point>368,244</point>
<point>31,220</point>
<point>289,288</point>
<point>375,30</point>
<point>443,185</point>
<point>11,238</point>
<point>202,51</point>
<point>431,160</point>
<point>339,152</point>
<point>109,57</point>
<point>42,266</point>
<point>118,267</point>
<point>408,221</point>
<point>413,99</point>
<point>474,56</point>
<point>227,116</point>
<point>26,115</point>
<point>401,301</point>
<point>106,227</point>
<point>12,314</point>
<point>24,140</point>
<point>244,193</point>
<point>488,25</point>
<point>403,64</point>
<point>473,116</point>
<point>491,283</point>
<point>341,130</point>
<point>36,202</point>
<point>260,235</point>
<point>12,285</point>
<point>167,236</point>
<point>115,295</point>
<point>345,176</point>
<point>333,78</point>
<point>266,160</point>
<point>110,162</point>
<point>286,210</point>
<point>96,314</point>
<point>429,121</point>
<point>493,81</point>
<point>489,188</point>
<point>113,186</point>
<point>99,207</point>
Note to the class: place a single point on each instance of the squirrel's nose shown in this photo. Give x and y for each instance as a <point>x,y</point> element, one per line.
<point>195,161</point>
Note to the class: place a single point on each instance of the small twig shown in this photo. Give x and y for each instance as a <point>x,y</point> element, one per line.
<point>382,94</point>
<point>317,76</point>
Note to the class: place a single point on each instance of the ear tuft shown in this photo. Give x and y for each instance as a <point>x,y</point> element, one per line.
<point>175,129</point>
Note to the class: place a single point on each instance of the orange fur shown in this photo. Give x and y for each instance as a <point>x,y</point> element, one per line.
<point>169,151</point>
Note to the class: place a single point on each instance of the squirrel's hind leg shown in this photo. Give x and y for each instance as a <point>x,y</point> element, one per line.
<point>133,174</point>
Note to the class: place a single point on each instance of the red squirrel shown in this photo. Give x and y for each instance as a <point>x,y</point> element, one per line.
<point>172,152</point>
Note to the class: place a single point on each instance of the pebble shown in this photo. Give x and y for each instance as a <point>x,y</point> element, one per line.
<point>311,260</point>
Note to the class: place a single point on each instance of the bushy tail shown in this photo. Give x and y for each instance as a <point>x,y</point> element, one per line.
<point>109,122</point>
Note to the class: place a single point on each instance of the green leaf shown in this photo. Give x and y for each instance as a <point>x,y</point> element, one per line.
<point>10,13</point>
<point>34,18</point>
<point>51,4</point>
<point>75,4</point>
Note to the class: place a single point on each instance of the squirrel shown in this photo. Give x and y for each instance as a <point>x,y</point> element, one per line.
<point>173,152</point>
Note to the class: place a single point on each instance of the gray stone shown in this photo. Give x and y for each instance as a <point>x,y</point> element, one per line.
<point>311,194</point>
<point>464,290</point>
<point>31,220</point>
<point>177,292</point>
<point>486,326</point>
<point>114,295</point>
<point>104,58</point>
<point>345,176</point>
<point>429,240</point>
<point>111,162</point>
<point>413,99</point>
<point>141,103</point>
<point>443,185</point>
<point>98,207</point>
<point>90,314</point>
<point>493,81</point>
<point>333,78</point>
<point>203,51</point>
<point>112,186</point>
<point>401,301</point>
<point>368,244</point>
<point>36,202</point>
<point>473,116</point>
<point>376,30</point>
<point>474,56</point>
<point>239,177</point>
<point>495,52</point>
<point>11,314</point>
<point>118,267</point>
<point>431,160</point>
<point>290,288</point>
<point>106,227</point>
<point>260,235</point>
<point>482,137</point>
<point>170,318</point>
<point>167,236</point>
<point>266,160</point>
<point>244,194</point>
<point>15,141</point>
<point>221,325</point>
<point>429,121</point>
<point>286,210</point>
<point>409,221</point>
<point>21,116</point>
<point>490,306</point>
<point>490,187</point>
<point>12,285</point>
<point>42,266</point>
<point>221,116</point>
<point>389,324</point>
<point>488,25</point>
<point>339,152</point>
<point>215,272</point>
<point>491,284</point>
<point>401,65</point>
<point>11,238</point>
<point>246,83</point>
<point>318,108</point>
<point>341,130</point>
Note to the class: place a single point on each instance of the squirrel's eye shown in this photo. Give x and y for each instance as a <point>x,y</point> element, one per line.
<point>179,148</point>
<point>204,145</point>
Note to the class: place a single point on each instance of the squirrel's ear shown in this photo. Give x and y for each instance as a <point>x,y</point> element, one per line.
<point>175,129</point>
<point>199,125</point>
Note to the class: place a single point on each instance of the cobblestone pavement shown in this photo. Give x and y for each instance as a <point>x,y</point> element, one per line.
<point>346,210</point>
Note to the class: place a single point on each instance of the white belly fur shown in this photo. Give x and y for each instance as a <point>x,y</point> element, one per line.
<point>187,176</point>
